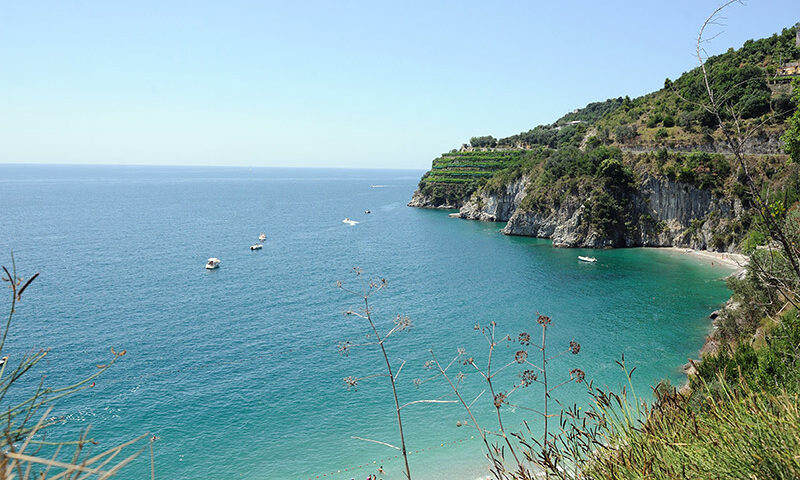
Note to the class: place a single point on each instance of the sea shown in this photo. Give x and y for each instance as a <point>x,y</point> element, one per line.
<point>238,372</point>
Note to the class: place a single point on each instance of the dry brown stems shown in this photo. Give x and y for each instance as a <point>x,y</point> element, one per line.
<point>511,454</point>
<point>368,288</point>
<point>26,452</point>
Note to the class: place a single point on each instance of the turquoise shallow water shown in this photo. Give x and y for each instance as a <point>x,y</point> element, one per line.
<point>237,370</point>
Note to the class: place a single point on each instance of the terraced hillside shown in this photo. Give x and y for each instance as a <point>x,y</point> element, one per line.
<point>462,167</point>
<point>455,175</point>
<point>672,119</point>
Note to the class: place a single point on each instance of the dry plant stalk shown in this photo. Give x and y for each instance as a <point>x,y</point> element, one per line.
<point>370,287</point>
<point>775,220</point>
<point>523,451</point>
<point>18,459</point>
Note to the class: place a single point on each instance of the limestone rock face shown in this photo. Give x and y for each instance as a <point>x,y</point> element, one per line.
<point>496,206</point>
<point>569,225</point>
<point>685,216</point>
<point>660,212</point>
<point>419,200</point>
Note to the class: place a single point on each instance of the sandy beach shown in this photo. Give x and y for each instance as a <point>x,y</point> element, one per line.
<point>733,261</point>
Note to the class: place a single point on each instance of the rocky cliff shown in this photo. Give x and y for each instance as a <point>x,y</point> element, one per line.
<point>495,206</point>
<point>420,200</point>
<point>658,213</point>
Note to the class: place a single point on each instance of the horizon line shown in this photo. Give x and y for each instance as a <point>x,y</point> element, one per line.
<point>200,165</point>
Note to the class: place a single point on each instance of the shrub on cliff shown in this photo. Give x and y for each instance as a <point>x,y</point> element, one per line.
<point>773,368</point>
<point>626,133</point>
<point>615,173</point>
<point>792,136</point>
<point>606,213</point>
<point>485,141</point>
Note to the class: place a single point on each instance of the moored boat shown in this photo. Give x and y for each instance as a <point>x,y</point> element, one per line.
<point>257,246</point>
<point>212,263</point>
<point>586,259</point>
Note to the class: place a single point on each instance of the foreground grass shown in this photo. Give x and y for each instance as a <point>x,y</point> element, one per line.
<point>741,420</point>
<point>734,433</point>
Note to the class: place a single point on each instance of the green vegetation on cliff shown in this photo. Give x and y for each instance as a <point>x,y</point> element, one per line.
<point>738,416</point>
<point>456,175</point>
<point>563,157</point>
<point>673,115</point>
<point>792,135</point>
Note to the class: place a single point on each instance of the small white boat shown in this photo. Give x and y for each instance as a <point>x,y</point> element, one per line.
<point>349,222</point>
<point>586,259</point>
<point>367,211</point>
<point>212,263</point>
<point>262,237</point>
<point>257,246</point>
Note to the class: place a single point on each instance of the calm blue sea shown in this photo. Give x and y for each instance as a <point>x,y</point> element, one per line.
<point>236,370</point>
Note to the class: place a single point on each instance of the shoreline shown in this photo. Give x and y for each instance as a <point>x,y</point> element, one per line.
<point>734,261</point>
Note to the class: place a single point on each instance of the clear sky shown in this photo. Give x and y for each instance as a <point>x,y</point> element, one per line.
<point>334,84</point>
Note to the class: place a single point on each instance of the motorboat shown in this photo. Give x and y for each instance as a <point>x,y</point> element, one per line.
<point>349,221</point>
<point>257,246</point>
<point>262,237</point>
<point>212,263</point>
<point>367,211</point>
<point>586,259</point>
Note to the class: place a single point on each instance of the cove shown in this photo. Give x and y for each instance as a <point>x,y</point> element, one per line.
<point>237,370</point>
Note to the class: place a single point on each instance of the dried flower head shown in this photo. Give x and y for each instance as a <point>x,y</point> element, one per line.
<point>460,376</point>
<point>351,382</point>
<point>339,283</point>
<point>476,327</point>
<point>574,347</point>
<point>528,377</point>
<point>500,399</point>
<point>429,364</point>
<point>461,351</point>
<point>15,284</point>
<point>521,356</point>
<point>468,361</point>
<point>417,382</point>
<point>344,348</point>
<point>524,338</point>
<point>577,374</point>
<point>402,322</point>
<point>543,320</point>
